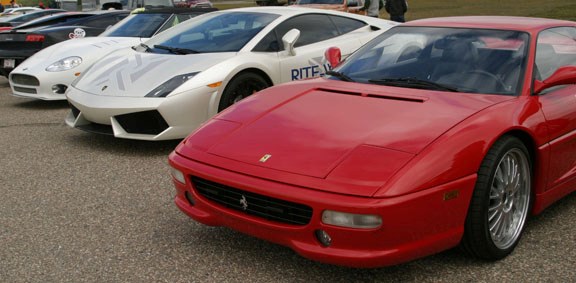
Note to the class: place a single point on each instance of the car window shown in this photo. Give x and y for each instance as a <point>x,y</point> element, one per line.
<point>103,22</point>
<point>28,17</point>
<point>346,25</point>
<point>52,20</point>
<point>138,25</point>
<point>214,32</point>
<point>313,28</point>
<point>270,43</point>
<point>556,47</point>
<point>174,20</point>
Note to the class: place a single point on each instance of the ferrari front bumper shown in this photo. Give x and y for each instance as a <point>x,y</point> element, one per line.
<point>413,225</point>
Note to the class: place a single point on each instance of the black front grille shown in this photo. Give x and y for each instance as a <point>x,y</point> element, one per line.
<point>147,122</point>
<point>25,89</point>
<point>254,204</point>
<point>25,80</point>
<point>75,111</point>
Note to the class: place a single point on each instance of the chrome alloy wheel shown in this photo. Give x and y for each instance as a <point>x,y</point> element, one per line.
<point>509,198</point>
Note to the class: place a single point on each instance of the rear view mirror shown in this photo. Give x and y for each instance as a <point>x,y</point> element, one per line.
<point>289,39</point>
<point>334,56</point>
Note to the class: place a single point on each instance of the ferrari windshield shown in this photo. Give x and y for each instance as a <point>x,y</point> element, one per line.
<point>213,32</point>
<point>137,25</point>
<point>445,59</point>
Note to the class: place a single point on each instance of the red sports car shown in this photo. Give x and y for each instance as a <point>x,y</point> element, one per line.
<point>438,133</point>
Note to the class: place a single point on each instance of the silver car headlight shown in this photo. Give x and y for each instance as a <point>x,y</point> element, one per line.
<point>167,87</point>
<point>64,64</point>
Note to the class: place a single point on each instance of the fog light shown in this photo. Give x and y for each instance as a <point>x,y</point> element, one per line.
<point>178,175</point>
<point>323,237</point>
<point>59,89</point>
<point>189,198</point>
<point>350,220</point>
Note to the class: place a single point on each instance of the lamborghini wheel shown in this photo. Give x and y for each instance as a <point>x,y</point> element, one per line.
<point>240,87</point>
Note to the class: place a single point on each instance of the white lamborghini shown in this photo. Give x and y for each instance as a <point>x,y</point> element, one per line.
<point>168,86</point>
<point>48,73</point>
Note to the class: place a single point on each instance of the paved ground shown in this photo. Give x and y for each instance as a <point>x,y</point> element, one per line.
<point>78,207</point>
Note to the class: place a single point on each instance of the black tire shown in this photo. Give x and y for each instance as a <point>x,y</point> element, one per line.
<point>500,195</point>
<point>240,87</point>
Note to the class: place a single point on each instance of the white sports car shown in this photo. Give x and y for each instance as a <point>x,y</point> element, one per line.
<point>167,87</point>
<point>48,73</point>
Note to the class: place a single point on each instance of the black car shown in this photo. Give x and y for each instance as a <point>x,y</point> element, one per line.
<point>7,23</point>
<point>24,40</point>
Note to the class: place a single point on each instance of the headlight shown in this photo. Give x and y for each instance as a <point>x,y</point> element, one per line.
<point>343,219</point>
<point>178,175</point>
<point>167,87</point>
<point>64,64</point>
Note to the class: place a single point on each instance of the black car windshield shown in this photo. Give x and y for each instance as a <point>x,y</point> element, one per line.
<point>137,25</point>
<point>445,59</point>
<point>213,32</point>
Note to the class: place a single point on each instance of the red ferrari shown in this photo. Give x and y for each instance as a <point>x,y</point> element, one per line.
<point>438,133</point>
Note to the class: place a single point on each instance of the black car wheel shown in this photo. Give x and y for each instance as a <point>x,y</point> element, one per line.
<point>240,87</point>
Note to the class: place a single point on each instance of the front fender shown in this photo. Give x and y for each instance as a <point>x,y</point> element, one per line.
<point>460,151</point>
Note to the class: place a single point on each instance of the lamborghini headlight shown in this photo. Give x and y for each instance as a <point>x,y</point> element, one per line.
<point>64,64</point>
<point>343,219</point>
<point>167,87</point>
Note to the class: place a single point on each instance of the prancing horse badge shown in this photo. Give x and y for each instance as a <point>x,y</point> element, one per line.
<point>265,157</point>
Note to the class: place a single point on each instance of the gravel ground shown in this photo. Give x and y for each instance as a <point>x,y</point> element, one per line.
<point>79,207</point>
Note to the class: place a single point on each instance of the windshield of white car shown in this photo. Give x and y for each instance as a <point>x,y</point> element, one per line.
<point>137,25</point>
<point>445,59</point>
<point>213,32</point>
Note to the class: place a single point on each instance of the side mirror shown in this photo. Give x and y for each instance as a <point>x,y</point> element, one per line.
<point>289,39</point>
<point>334,56</point>
<point>562,76</point>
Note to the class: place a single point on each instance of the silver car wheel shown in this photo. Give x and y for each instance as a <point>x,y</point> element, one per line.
<point>509,199</point>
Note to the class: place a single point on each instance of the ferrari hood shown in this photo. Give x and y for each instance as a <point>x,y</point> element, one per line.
<point>134,74</point>
<point>81,47</point>
<point>325,124</point>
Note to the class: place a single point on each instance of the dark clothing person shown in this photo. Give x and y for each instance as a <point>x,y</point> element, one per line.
<point>396,9</point>
<point>1,7</point>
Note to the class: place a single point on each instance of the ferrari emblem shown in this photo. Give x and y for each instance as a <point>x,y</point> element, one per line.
<point>244,203</point>
<point>265,157</point>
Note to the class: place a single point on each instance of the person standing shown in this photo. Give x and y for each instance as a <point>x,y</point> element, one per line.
<point>396,9</point>
<point>372,8</point>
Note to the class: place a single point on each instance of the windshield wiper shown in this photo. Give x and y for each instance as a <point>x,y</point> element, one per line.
<point>414,83</point>
<point>341,76</point>
<point>176,50</point>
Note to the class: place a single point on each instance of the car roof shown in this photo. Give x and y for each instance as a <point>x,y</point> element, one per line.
<point>287,10</point>
<point>38,23</point>
<point>176,10</point>
<point>46,11</point>
<point>492,22</point>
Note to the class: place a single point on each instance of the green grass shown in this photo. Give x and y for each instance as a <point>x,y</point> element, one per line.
<point>418,9</point>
